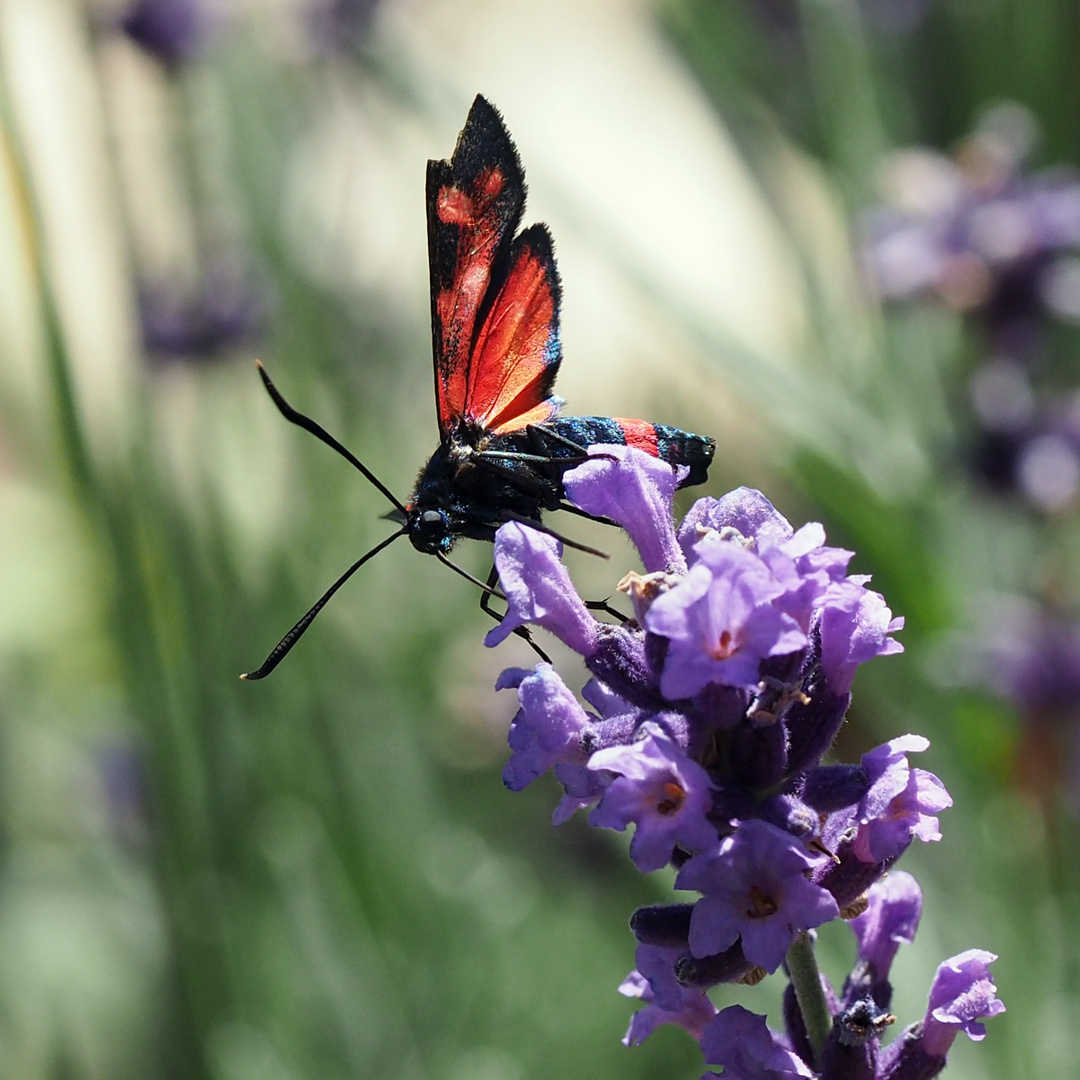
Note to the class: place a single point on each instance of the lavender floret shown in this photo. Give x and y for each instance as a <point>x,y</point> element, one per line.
<point>742,1042</point>
<point>664,793</point>
<point>754,888</point>
<point>894,907</point>
<point>538,589</point>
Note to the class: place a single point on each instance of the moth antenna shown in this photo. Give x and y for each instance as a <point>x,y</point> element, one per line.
<point>482,585</point>
<point>541,527</point>
<point>323,435</point>
<point>282,648</point>
<point>570,508</point>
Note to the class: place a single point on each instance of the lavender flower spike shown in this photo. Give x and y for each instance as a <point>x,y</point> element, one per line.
<point>634,489</point>
<point>705,724</point>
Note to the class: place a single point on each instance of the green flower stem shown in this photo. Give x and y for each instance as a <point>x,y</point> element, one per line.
<point>202,989</point>
<point>806,979</point>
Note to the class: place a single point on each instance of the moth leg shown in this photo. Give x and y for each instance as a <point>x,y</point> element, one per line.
<point>487,609</point>
<point>604,606</point>
<point>487,461</point>
<point>554,436</point>
<point>516,455</point>
<point>571,509</point>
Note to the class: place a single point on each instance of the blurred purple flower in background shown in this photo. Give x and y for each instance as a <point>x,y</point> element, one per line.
<point>175,32</point>
<point>122,773</point>
<point>980,234</point>
<point>1029,654</point>
<point>339,25</point>
<point>782,19</point>
<point>713,709</point>
<point>223,313</point>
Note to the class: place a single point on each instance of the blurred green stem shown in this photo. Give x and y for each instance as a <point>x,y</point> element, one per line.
<point>70,432</point>
<point>199,980</point>
<point>846,95</point>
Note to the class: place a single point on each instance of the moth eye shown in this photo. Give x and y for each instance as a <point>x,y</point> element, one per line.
<point>431,517</point>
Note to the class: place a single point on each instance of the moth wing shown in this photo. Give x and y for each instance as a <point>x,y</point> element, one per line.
<point>474,205</point>
<point>517,352</point>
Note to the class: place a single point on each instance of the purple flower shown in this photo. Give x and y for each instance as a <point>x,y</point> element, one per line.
<point>222,314</point>
<point>662,791</point>
<point>582,787</point>
<point>336,25</point>
<point>962,994</point>
<point>720,621</point>
<point>656,964</point>
<point>754,887</point>
<point>692,1011</point>
<point>855,625</point>
<point>744,511</point>
<point>547,728</point>
<point>900,802</point>
<point>667,1000</point>
<point>890,919</point>
<point>742,1042</point>
<point>1032,658</point>
<point>989,240</point>
<point>810,573</point>
<point>806,568</point>
<point>174,31</point>
<point>539,590</point>
<point>604,700</point>
<point>712,714</point>
<point>634,489</point>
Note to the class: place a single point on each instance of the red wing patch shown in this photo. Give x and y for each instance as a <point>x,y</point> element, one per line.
<point>494,299</point>
<point>517,353</point>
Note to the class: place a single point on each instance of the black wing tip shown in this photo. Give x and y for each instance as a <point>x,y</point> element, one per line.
<point>485,136</point>
<point>481,111</point>
<point>538,237</point>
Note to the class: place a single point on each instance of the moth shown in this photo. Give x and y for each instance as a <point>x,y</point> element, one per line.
<point>503,445</point>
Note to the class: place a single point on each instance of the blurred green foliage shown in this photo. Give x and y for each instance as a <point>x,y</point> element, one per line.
<point>322,876</point>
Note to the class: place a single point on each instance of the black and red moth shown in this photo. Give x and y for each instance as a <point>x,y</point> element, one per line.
<point>503,448</point>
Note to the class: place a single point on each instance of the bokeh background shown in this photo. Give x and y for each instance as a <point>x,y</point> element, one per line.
<point>841,236</point>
